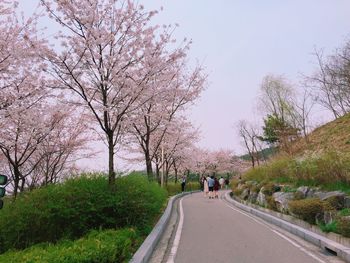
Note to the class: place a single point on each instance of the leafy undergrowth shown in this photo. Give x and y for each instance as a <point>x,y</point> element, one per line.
<point>107,246</point>
<point>71,210</point>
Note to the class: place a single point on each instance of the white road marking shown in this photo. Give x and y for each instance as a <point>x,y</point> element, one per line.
<point>279,234</point>
<point>177,236</point>
<point>298,246</point>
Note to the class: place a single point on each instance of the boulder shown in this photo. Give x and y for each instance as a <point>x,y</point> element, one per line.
<point>311,193</point>
<point>347,202</point>
<point>336,199</point>
<point>325,218</point>
<point>245,194</point>
<point>282,199</point>
<point>261,199</point>
<point>319,194</point>
<point>328,195</point>
<point>252,197</point>
<point>240,186</point>
<point>303,191</point>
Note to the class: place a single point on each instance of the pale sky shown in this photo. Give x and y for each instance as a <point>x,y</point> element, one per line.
<point>241,41</point>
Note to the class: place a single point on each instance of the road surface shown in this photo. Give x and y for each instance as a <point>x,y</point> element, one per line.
<point>214,231</point>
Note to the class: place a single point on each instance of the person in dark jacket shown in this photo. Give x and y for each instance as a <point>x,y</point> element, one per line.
<point>216,187</point>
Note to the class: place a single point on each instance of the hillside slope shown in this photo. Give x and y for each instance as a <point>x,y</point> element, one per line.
<point>334,135</point>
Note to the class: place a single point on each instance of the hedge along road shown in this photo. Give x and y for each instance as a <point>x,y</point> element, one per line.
<point>213,231</point>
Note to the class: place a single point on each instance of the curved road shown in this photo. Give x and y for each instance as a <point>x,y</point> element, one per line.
<point>214,231</point>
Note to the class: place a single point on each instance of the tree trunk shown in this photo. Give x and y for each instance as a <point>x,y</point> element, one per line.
<point>158,174</point>
<point>175,170</point>
<point>17,176</point>
<point>149,165</point>
<point>111,172</point>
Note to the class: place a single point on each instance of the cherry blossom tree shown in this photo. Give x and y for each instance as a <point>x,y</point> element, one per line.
<point>23,96</point>
<point>59,151</point>
<point>174,90</point>
<point>178,139</point>
<point>110,55</point>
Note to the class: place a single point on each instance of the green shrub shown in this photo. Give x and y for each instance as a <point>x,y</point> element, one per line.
<point>335,202</point>
<point>72,209</point>
<point>106,246</point>
<point>343,226</point>
<point>234,183</point>
<point>331,227</point>
<point>306,209</point>
<point>238,191</point>
<point>270,188</point>
<point>271,204</point>
<point>175,188</point>
<point>298,196</point>
<point>344,212</point>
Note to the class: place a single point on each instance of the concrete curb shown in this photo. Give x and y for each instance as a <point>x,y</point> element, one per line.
<point>145,251</point>
<point>342,251</point>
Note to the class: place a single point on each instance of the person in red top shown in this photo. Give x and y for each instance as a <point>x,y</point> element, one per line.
<point>216,187</point>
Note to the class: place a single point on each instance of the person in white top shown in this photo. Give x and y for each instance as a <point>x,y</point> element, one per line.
<point>222,182</point>
<point>205,187</point>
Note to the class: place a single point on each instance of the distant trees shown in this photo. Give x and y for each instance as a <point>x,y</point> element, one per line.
<point>286,118</point>
<point>288,109</point>
<point>331,81</point>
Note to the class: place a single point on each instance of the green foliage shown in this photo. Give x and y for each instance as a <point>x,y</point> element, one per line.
<point>298,196</point>
<point>72,209</point>
<point>264,153</point>
<point>330,227</point>
<point>330,170</point>
<point>106,246</point>
<point>344,212</point>
<point>276,129</point>
<point>271,204</point>
<point>335,202</point>
<point>343,226</point>
<point>270,188</point>
<point>234,183</point>
<point>306,209</point>
<point>175,188</point>
<point>238,191</point>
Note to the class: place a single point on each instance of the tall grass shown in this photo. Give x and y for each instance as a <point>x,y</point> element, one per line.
<point>330,170</point>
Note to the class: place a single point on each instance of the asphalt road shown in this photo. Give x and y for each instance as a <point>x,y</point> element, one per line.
<point>215,232</point>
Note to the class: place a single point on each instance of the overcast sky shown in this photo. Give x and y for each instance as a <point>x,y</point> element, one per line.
<point>241,41</point>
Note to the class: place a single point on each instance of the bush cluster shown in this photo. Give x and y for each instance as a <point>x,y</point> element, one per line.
<point>307,209</point>
<point>73,209</point>
<point>106,246</point>
<point>343,226</point>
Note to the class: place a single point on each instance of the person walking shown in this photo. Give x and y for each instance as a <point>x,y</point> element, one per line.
<point>211,187</point>
<point>183,183</point>
<point>227,182</point>
<point>222,182</point>
<point>201,182</point>
<point>205,187</point>
<point>216,187</point>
